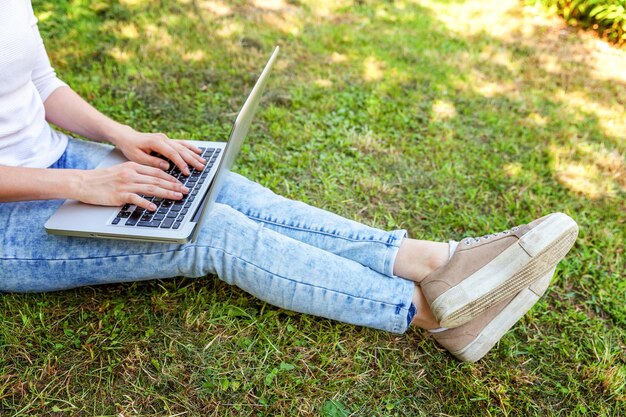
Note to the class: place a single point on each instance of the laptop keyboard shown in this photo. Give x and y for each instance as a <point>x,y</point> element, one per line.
<point>169,213</point>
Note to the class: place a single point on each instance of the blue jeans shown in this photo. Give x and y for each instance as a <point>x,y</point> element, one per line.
<point>284,252</point>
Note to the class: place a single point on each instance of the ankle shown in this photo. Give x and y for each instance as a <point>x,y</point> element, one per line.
<point>438,258</point>
<point>416,259</point>
<point>423,317</point>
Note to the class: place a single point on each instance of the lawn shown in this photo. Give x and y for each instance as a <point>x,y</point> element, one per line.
<point>446,118</point>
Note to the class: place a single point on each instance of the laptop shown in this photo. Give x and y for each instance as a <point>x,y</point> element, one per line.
<point>174,221</point>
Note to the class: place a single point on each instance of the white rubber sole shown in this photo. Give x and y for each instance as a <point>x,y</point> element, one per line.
<point>531,257</point>
<point>501,324</point>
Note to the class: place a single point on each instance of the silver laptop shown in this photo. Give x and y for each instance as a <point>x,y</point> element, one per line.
<point>174,221</point>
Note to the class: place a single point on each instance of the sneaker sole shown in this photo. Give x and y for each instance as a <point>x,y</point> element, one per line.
<point>515,310</point>
<point>522,263</point>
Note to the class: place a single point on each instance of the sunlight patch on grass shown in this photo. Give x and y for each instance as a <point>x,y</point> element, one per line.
<point>274,5</point>
<point>551,63</point>
<point>583,179</point>
<point>609,63</point>
<point>589,169</point>
<point>556,52</point>
<point>512,169</point>
<point>536,119</point>
<point>128,31</point>
<point>609,161</point>
<point>484,85</point>
<point>230,29</point>
<point>43,16</point>
<point>120,55</point>
<point>324,83</point>
<point>216,8</point>
<point>157,37</point>
<point>326,8</point>
<point>337,58</point>
<point>443,110</point>
<point>133,3</point>
<point>284,22</point>
<point>484,16</point>
<point>382,13</point>
<point>195,56</point>
<point>372,69</point>
<point>612,118</point>
<point>400,5</point>
<point>500,56</point>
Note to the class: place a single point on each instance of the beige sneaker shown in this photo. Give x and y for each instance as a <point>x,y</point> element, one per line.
<point>487,270</point>
<point>471,341</point>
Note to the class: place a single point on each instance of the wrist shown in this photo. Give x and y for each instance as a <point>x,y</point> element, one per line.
<point>118,134</point>
<point>74,183</point>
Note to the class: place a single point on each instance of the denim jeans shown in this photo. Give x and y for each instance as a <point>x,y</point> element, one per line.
<point>284,252</point>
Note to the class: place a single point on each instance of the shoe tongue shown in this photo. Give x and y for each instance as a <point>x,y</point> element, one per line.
<point>452,245</point>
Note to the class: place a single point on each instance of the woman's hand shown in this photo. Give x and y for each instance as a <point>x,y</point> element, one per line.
<point>121,184</point>
<point>67,110</point>
<point>138,146</point>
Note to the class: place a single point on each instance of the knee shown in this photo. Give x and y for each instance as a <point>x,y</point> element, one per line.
<point>233,180</point>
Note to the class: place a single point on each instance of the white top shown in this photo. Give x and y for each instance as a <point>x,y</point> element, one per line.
<point>26,81</point>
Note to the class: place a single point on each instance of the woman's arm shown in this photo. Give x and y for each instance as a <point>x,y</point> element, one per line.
<point>19,183</point>
<point>112,186</point>
<point>109,186</point>
<point>69,111</point>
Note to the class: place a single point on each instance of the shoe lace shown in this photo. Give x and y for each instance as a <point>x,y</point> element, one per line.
<point>470,240</point>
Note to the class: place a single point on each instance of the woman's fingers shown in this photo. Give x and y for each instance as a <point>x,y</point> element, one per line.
<point>191,146</point>
<point>190,156</point>
<point>153,161</point>
<point>156,173</point>
<point>150,191</point>
<point>151,182</point>
<point>155,191</point>
<point>126,183</point>
<point>156,185</point>
<point>133,198</point>
<point>181,153</point>
<point>168,151</point>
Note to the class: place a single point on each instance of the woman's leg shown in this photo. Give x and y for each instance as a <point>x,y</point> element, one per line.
<point>389,253</point>
<point>276,268</point>
<point>273,267</point>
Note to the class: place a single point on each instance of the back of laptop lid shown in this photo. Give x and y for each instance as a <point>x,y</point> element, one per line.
<point>237,136</point>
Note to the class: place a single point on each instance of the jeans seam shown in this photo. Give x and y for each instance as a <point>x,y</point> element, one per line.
<point>400,320</point>
<point>392,251</point>
<point>91,257</point>
<point>391,240</point>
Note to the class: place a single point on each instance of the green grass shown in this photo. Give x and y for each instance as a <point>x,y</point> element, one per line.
<point>447,118</point>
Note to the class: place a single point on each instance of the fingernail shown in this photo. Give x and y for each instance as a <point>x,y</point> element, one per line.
<point>152,207</point>
<point>179,195</point>
<point>185,189</point>
<point>203,160</point>
<point>165,165</point>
